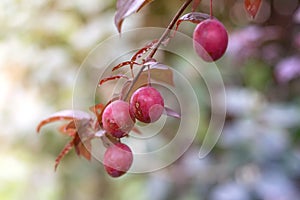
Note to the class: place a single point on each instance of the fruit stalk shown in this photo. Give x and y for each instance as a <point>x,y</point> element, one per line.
<point>211,9</point>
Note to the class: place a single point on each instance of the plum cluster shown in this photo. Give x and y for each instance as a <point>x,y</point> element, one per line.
<point>118,119</point>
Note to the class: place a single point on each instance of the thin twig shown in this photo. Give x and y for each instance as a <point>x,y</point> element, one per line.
<point>161,39</point>
<point>134,81</point>
<point>211,9</point>
<point>169,28</point>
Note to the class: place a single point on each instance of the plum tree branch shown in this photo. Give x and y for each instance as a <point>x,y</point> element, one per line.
<point>170,26</point>
<point>161,39</point>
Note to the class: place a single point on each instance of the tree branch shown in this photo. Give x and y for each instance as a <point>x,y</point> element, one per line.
<point>161,39</point>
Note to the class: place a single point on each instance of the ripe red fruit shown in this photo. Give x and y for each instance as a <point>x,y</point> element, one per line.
<point>147,104</point>
<point>117,159</point>
<point>210,40</point>
<point>117,120</point>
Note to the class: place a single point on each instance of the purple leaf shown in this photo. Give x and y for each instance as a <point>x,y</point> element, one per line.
<point>126,8</point>
<point>172,113</point>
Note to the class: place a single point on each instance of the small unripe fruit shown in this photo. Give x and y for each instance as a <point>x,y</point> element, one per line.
<point>117,159</point>
<point>210,40</point>
<point>117,120</point>
<point>147,104</point>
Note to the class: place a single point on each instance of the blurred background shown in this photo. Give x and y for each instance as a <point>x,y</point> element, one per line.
<point>42,45</point>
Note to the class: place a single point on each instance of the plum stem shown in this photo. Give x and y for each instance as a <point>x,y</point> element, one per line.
<point>211,9</point>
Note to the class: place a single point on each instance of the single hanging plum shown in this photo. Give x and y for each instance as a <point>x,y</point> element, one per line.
<point>147,104</point>
<point>210,40</point>
<point>117,120</point>
<point>117,159</point>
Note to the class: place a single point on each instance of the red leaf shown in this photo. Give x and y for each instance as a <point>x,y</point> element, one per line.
<point>85,130</point>
<point>144,50</point>
<point>99,117</point>
<point>126,8</point>
<point>194,17</point>
<point>64,115</point>
<point>252,6</point>
<point>64,151</point>
<point>112,78</point>
<point>68,129</point>
<point>81,140</point>
<point>84,149</point>
<point>172,113</point>
<point>131,63</point>
<point>195,4</point>
<point>96,109</point>
<point>77,141</point>
<point>71,126</point>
